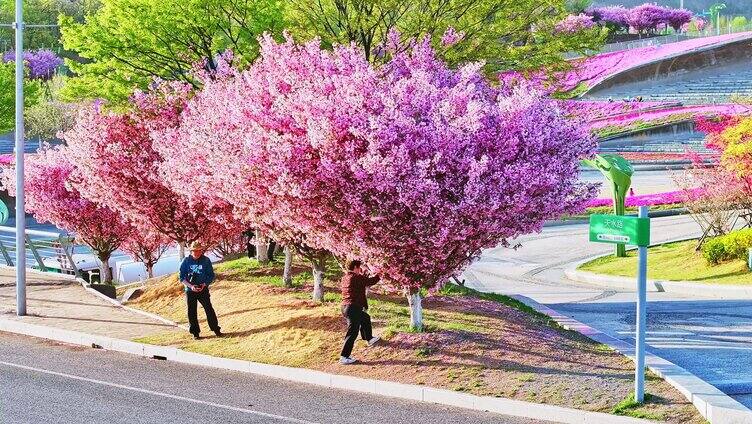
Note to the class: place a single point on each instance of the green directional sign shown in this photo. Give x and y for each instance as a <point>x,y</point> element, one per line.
<point>620,229</point>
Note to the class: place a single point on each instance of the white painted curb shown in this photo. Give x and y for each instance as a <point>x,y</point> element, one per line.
<point>716,406</point>
<point>383,388</point>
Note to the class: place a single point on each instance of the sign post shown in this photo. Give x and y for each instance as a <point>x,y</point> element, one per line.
<point>634,231</point>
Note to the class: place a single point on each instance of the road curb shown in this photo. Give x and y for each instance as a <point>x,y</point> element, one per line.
<point>716,406</point>
<point>377,387</point>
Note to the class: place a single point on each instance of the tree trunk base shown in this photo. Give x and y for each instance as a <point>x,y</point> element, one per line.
<point>416,311</point>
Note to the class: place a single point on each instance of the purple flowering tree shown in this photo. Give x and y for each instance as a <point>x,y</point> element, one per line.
<point>42,63</point>
<point>412,167</point>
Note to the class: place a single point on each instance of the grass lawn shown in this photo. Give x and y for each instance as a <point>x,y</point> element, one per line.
<point>675,261</point>
<point>477,343</point>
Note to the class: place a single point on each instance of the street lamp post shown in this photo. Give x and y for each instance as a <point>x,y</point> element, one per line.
<point>19,139</point>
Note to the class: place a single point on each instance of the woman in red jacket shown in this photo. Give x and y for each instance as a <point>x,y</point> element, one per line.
<point>354,306</point>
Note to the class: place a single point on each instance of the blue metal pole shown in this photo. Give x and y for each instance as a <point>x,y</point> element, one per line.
<point>641,317</point>
<point>19,139</point>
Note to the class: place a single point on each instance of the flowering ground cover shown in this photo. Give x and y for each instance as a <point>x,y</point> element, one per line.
<point>648,157</point>
<point>589,71</point>
<point>593,110</point>
<point>531,358</point>
<point>639,120</point>
<point>666,198</point>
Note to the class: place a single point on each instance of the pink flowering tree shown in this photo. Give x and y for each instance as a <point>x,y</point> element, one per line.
<point>51,197</point>
<point>146,246</point>
<point>412,167</point>
<point>118,166</point>
<point>575,23</point>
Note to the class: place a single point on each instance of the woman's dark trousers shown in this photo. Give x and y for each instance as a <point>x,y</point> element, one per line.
<point>358,321</point>
<point>204,299</point>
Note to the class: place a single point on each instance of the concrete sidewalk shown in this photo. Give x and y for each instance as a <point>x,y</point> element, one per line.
<point>61,302</point>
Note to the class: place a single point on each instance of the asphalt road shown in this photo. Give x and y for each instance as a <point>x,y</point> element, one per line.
<point>711,338</point>
<point>46,382</point>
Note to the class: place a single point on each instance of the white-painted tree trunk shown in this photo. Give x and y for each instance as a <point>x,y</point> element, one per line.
<point>287,273</point>
<point>105,273</point>
<point>319,267</point>
<point>181,251</point>
<point>416,310</point>
<point>262,247</point>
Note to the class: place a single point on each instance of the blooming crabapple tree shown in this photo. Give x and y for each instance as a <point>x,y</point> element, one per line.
<point>117,166</point>
<point>224,141</point>
<point>51,198</point>
<point>411,167</point>
<point>146,246</point>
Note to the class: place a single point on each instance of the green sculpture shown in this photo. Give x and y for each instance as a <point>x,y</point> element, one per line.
<point>618,171</point>
<point>4,213</point>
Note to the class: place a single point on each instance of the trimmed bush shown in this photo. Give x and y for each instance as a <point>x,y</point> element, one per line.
<point>728,247</point>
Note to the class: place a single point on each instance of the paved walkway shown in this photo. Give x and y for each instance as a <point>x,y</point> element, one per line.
<point>62,303</point>
<point>711,338</point>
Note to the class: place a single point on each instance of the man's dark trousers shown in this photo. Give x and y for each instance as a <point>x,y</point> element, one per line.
<point>358,321</point>
<point>205,300</point>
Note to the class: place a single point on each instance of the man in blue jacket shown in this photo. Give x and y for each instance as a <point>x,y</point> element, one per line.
<point>197,274</point>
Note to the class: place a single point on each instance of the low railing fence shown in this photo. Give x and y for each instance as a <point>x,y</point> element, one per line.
<point>45,251</point>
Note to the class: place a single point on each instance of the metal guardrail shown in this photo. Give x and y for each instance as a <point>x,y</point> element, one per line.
<point>45,251</point>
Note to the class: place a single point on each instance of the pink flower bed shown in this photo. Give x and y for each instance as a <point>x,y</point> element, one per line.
<point>653,115</point>
<point>592,70</point>
<point>6,160</point>
<point>595,110</point>
<point>667,198</point>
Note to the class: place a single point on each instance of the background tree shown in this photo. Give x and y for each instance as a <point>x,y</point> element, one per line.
<point>146,246</point>
<point>44,12</point>
<point>46,119</point>
<point>51,198</point>
<point>32,95</point>
<point>125,44</point>
<point>506,34</point>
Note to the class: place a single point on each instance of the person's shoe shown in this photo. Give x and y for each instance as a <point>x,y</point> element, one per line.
<point>373,341</point>
<point>196,337</point>
<point>347,361</point>
<point>219,333</point>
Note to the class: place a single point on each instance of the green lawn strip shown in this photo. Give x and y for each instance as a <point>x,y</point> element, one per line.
<point>674,262</point>
<point>631,408</point>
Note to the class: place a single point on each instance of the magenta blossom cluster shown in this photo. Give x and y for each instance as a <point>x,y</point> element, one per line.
<point>574,23</point>
<point>42,63</point>
<point>656,199</point>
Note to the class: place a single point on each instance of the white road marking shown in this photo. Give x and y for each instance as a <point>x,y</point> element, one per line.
<point>154,393</point>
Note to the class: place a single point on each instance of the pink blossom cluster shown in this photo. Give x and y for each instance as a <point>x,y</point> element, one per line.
<point>574,23</point>
<point>656,199</point>
<point>119,167</point>
<point>412,167</point>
